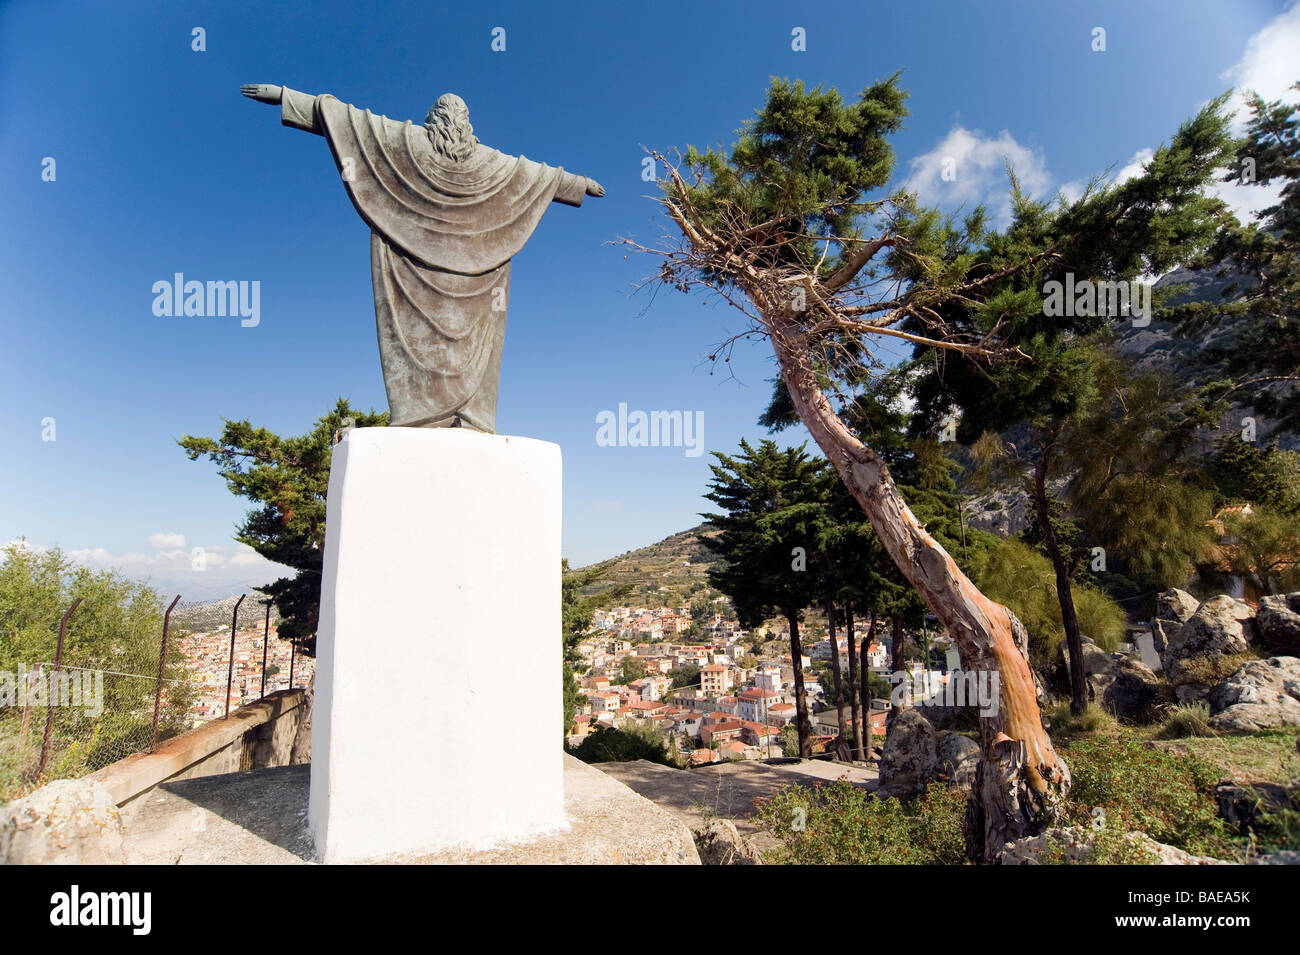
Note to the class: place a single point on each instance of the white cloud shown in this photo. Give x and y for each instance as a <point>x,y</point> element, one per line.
<point>1271,62</point>
<point>227,568</point>
<point>166,540</point>
<point>976,171</point>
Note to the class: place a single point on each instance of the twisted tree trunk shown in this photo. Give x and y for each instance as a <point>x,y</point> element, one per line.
<point>1020,784</point>
<point>858,751</point>
<point>800,697</point>
<point>1064,595</point>
<point>835,666</point>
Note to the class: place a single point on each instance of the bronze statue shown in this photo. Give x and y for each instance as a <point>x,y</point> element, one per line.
<point>446,215</point>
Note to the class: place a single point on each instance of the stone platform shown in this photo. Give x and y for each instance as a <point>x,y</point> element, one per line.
<point>260,818</point>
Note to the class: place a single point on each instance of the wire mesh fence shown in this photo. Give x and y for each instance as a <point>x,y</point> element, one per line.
<point>89,703</point>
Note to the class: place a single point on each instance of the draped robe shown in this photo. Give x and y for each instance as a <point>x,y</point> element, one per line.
<point>442,236</point>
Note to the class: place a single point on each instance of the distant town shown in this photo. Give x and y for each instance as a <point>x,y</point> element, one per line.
<point>207,659</point>
<point>724,699</point>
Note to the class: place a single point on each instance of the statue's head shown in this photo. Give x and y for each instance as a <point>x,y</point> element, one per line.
<point>449,129</point>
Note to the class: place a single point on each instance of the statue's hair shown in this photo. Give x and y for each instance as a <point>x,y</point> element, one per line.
<point>449,130</point>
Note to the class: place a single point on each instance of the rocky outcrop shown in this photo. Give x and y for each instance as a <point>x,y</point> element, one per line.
<point>1261,694</point>
<point>956,759</point>
<point>1221,627</point>
<point>910,757</point>
<point>1278,622</point>
<point>719,842</point>
<point>1117,682</point>
<point>1174,608</point>
<point>68,822</point>
<point>1078,846</point>
<point>915,755</point>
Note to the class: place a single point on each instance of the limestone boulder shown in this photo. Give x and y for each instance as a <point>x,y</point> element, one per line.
<point>1221,626</point>
<point>957,756</point>
<point>1077,845</point>
<point>1259,695</point>
<point>1118,682</point>
<point>910,758</point>
<point>67,822</point>
<point>1174,608</point>
<point>1278,620</point>
<point>719,842</point>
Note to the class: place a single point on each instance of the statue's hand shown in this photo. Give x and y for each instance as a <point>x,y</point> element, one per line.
<point>594,188</point>
<point>262,92</point>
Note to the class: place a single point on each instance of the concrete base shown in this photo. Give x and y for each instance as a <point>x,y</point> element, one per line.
<point>440,612</point>
<point>259,818</point>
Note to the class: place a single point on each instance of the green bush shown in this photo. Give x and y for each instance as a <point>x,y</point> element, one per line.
<point>1188,719</point>
<point>1168,796</point>
<point>609,745</point>
<point>1017,576</point>
<point>840,824</point>
<point>1092,721</point>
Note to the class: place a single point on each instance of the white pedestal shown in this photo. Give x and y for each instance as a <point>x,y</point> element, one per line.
<point>438,708</point>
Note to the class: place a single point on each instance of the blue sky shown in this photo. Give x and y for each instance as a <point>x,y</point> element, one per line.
<point>162,167</point>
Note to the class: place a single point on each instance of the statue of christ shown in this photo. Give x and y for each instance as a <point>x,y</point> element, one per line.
<point>446,215</point>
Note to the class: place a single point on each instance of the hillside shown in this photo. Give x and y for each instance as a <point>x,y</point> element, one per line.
<point>669,573</point>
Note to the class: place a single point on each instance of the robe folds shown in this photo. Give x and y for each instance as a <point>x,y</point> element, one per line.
<point>442,236</point>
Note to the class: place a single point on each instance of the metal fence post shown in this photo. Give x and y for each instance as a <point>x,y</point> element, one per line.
<point>53,690</point>
<point>230,671</point>
<point>162,667</point>
<point>266,639</point>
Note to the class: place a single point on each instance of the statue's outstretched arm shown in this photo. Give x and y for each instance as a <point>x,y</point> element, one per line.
<point>262,92</point>
<point>296,109</point>
<point>573,188</point>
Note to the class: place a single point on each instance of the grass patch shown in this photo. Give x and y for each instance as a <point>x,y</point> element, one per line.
<point>1136,785</point>
<point>1268,756</point>
<point>1187,719</point>
<point>1093,721</point>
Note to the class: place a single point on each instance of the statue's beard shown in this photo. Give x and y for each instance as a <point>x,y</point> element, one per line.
<point>452,138</point>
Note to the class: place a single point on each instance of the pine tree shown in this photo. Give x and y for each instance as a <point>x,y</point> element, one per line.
<point>784,226</point>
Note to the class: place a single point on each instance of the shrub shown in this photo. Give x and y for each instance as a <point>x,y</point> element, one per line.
<point>1168,796</point>
<point>1188,719</point>
<point>840,824</point>
<point>609,745</point>
<point>1017,576</point>
<point>1092,721</point>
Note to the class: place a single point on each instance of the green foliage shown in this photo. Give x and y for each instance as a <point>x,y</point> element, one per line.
<point>1022,579</point>
<point>1093,721</point>
<point>802,165</point>
<point>1186,719</point>
<point>1169,796</point>
<point>840,824</point>
<point>631,669</point>
<point>1262,476</point>
<point>609,745</point>
<point>286,478</point>
<point>118,629</point>
<point>576,612</point>
<point>1263,260</point>
<point>1263,548</point>
<point>686,675</point>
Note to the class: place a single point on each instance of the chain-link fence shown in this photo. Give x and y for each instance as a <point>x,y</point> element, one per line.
<point>87,706</point>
